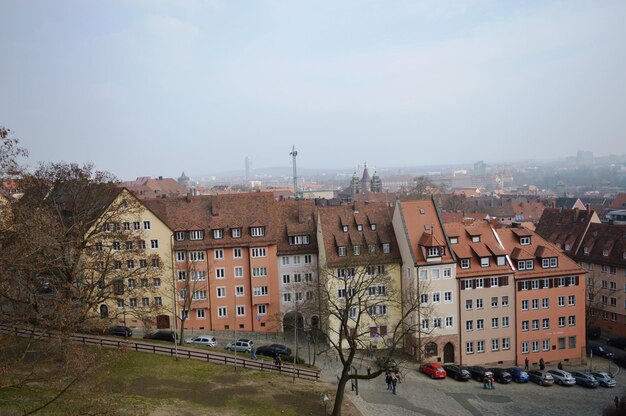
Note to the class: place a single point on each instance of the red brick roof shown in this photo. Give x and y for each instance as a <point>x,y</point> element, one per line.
<point>296,218</point>
<point>564,227</point>
<point>602,237</point>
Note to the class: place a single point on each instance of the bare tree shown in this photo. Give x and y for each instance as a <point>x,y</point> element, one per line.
<point>362,303</point>
<point>422,187</point>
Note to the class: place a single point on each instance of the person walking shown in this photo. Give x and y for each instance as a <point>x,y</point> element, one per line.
<point>394,382</point>
<point>253,352</point>
<point>491,385</point>
<point>616,400</point>
<point>485,382</point>
<point>388,380</point>
<point>526,364</point>
<point>560,366</point>
<point>278,362</point>
<point>542,364</point>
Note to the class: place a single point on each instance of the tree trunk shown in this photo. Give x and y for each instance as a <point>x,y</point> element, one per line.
<point>341,387</point>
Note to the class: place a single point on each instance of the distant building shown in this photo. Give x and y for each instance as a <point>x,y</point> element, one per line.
<point>365,185</point>
<point>146,187</point>
<point>184,180</point>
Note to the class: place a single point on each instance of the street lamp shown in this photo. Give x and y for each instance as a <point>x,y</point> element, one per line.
<point>325,399</point>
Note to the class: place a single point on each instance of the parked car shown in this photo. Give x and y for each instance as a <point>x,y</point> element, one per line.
<point>605,379</point>
<point>618,342</point>
<point>543,378</point>
<point>387,363</point>
<point>434,370</point>
<point>119,330</point>
<point>585,379</point>
<point>479,373</point>
<point>273,350</point>
<point>501,375</point>
<point>599,351</point>
<point>241,345</point>
<point>202,340</point>
<point>457,372</point>
<point>593,332</point>
<point>562,377</point>
<point>518,375</point>
<point>162,336</point>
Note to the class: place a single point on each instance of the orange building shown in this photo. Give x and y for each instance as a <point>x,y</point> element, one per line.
<point>549,299</point>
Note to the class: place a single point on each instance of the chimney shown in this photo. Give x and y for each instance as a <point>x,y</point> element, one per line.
<point>588,207</point>
<point>160,178</point>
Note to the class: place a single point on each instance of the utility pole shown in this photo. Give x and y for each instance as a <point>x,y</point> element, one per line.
<point>293,155</point>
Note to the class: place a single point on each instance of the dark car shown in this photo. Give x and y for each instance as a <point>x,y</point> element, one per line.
<point>599,351</point>
<point>162,336</point>
<point>585,379</point>
<point>457,372</point>
<point>501,375</point>
<point>618,342</point>
<point>479,373</point>
<point>543,378</point>
<point>273,350</point>
<point>120,331</point>
<point>387,363</point>
<point>518,375</point>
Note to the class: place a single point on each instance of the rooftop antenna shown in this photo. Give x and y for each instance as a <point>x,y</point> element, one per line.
<point>293,155</point>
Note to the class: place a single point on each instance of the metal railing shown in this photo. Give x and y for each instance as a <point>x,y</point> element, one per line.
<point>192,354</point>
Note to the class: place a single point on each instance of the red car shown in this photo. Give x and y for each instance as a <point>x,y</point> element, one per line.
<point>434,370</point>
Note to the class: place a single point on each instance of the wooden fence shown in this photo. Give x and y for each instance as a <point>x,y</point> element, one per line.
<point>181,352</point>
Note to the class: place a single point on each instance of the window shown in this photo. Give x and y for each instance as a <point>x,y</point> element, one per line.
<point>535,324</point>
<point>480,324</point>
<point>180,235</point>
<point>307,259</point>
<point>199,295</point>
<point>423,274</point>
<point>435,274</point>
<point>154,244</point>
<point>479,303</point>
<point>200,313</point>
<point>196,256</point>
<point>141,244</point>
<point>449,322</point>
<point>494,281</point>
<point>571,320</point>
<point>158,301</point>
<point>130,264</point>
<point>529,265</point>
<point>500,260</point>
<point>484,262</point>
<point>116,245</point>
<point>237,253</point>
<point>447,273</point>
<point>495,344</point>
<point>535,303</point>
<point>424,298</point>
<point>480,283</point>
<point>297,278</point>
<point>506,343</point>
<point>297,240</point>
<point>571,342</point>
<point>525,285</point>
<point>447,296</point>
<point>475,239</point>
<point>454,240</point>
<point>505,301</point>
<point>308,277</point>
<point>524,241</point>
<point>469,284</point>
<point>465,264</point>
<point>356,250</point>
<point>433,252</point>
<point>137,225</point>
<point>198,275</point>
<point>259,271</point>
<point>525,347</point>
<point>436,322</point>
<point>561,321</point>
<point>494,322</point>
<point>145,302</point>
<point>545,323</point>
<point>156,282</point>
<point>261,309</point>
<point>219,254</point>
<point>221,311</point>
<point>571,300</point>
<point>342,251</point>
<point>525,305</point>
<point>561,301</point>
<point>425,324</point>
<point>143,263</point>
<point>218,234</point>
<point>436,297</point>
<point>259,252</point>
<point>260,291</point>
<point>235,232</point>
<point>196,235</point>
<point>494,302</point>
<point>524,325</point>
<point>534,284</point>
<point>180,256</point>
<point>505,321</point>
<point>257,231</point>
<point>146,225</point>
<point>613,301</point>
<point>535,345</point>
<point>220,273</point>
<point>238,271</point>
<point>182,275</point>
<point>468,305</point>
<point>469,348</point>
<point>241,310</point>
<point>131,284</point>
<point>480,346</point>
<point>469,325</point>
<point>386,248</point>
<point>545,303</point>
<point>184,314</point>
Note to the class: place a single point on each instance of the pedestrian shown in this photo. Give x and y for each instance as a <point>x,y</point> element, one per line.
<point>394,382</point>
<point>369,371</point>
<point>253,353</point>
<point>485,382</point>
<point>560,366</point>
<point>616,400</point>
<point>388,380</point>
<point>491,385</point>
<point>542,365</point>
<point>278,362</point>
<point>397,374</point>
<point>526,364</point>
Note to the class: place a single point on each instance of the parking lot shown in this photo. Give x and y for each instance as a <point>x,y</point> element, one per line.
<point>420,395</point>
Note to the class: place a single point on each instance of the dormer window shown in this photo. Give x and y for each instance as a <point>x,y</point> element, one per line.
<point>433,251</point>
<point>484,262</point>
<point>373,228</point>
<point>454,240</point>
<point>359,227</point>
<point>235,232</point>
<point>525,241</point>
<point>297,240</point>
<point>465,264</point>
<point>521,265</point>
<point>605,252</point>
<point>217,234</point>
<point>500,260</point>
<point>475,239</point>
<point>568,247</point>
<point>371,249</point>
<point>356,250</point>
<point>257,231</point>
<point>196,235</point>
<point>180,235</point>
<point>586,250</point>
<point>342,251</point>
<point>386,248</point>
<point>345,228</point>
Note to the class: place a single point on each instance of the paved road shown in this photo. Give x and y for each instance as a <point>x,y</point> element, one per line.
<point>419,395</point>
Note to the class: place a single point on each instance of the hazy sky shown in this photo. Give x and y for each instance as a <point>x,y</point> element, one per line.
<point>157,87</point>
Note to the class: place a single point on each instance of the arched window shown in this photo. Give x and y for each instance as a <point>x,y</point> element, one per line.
<point>104,311</point>
<point>430,349</point>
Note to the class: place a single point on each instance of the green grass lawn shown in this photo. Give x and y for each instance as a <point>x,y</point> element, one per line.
<point>150,384</point>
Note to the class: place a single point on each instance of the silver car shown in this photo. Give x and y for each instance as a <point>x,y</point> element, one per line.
<point>202,340</point>
<point>605,379</point>
<point>562,377</point>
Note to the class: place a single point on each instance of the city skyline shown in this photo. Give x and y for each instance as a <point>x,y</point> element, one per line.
<point>156,88</point>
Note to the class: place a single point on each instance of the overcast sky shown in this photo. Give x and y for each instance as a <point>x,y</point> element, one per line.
<point>157,87</point>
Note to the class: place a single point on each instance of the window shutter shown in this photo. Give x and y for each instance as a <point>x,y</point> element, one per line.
<point>487,282</point>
